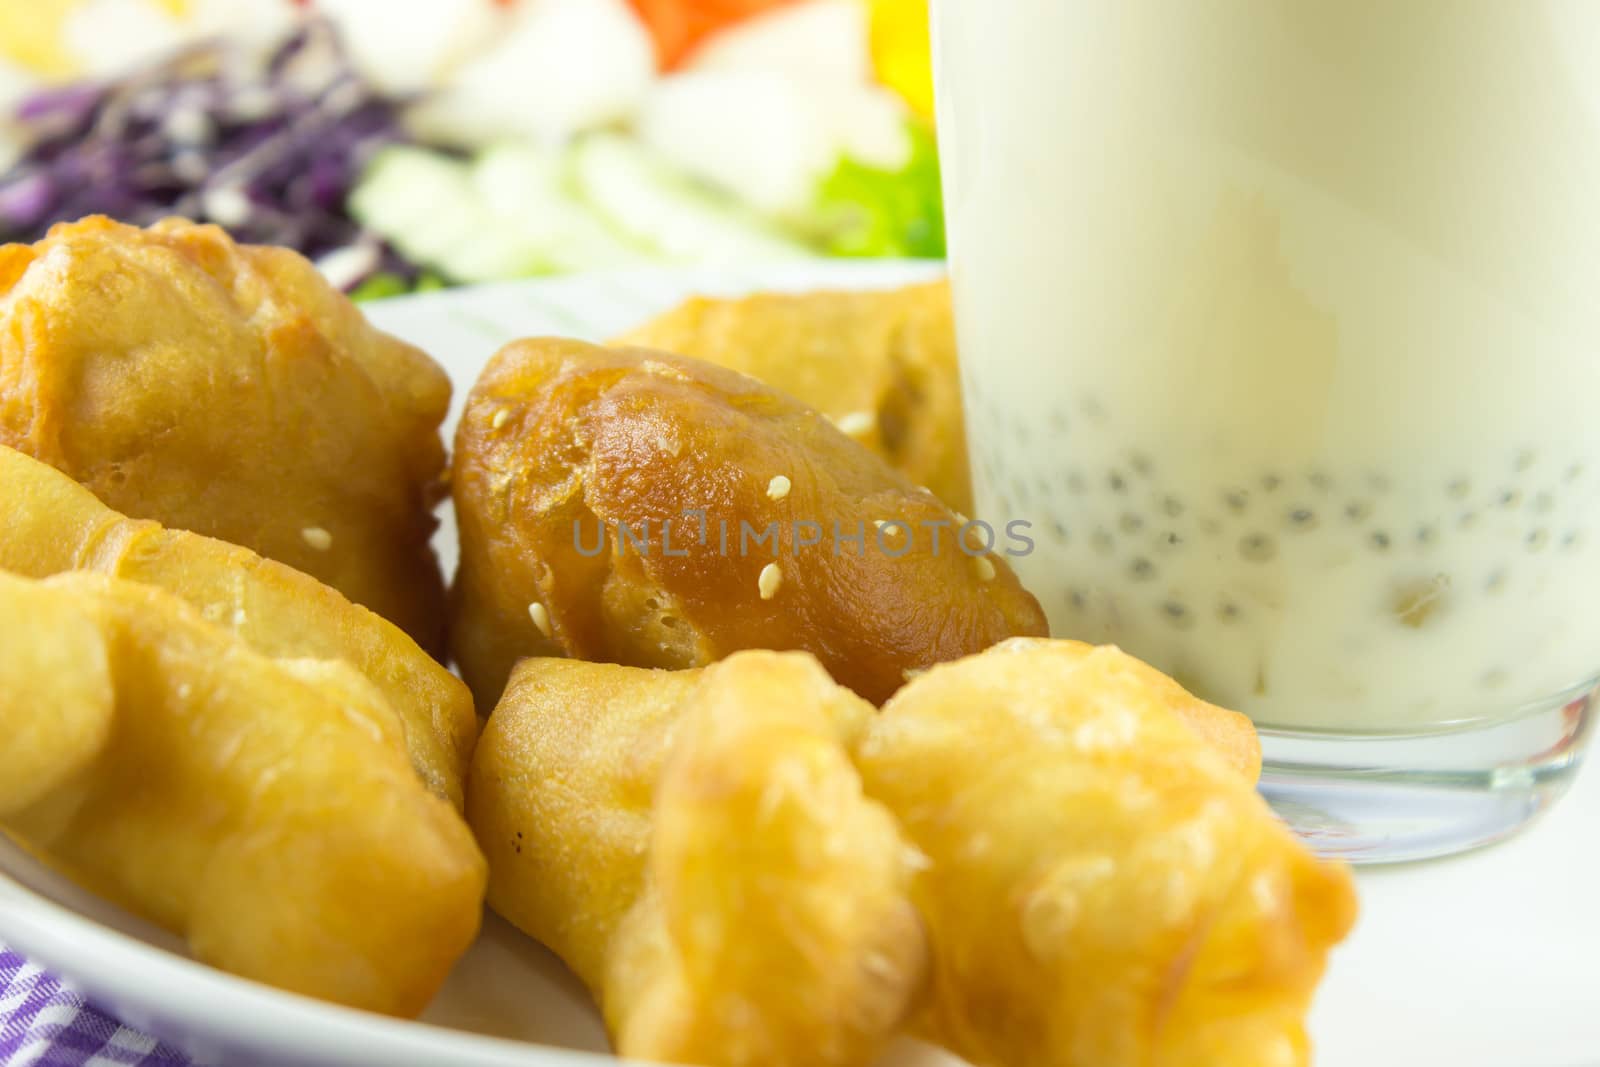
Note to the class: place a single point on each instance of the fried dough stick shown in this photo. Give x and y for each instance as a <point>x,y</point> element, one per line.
<point>1105,889</point>
<point>52,524</point>
<point>266,810</point>
<point>696,847</point>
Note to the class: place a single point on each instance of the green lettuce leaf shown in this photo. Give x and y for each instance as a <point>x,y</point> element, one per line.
<point>864,211</point>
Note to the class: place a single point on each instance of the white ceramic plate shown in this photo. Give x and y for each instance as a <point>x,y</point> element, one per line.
<point>1492,958</point>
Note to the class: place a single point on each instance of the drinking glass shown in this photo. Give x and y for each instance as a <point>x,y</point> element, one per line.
<point>1280,322</point>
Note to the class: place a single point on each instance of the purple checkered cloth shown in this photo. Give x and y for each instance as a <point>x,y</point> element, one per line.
<point>46,1024</point>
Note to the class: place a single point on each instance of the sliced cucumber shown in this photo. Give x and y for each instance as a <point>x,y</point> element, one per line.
<point>420,200</point>
<point>517,211</point>
<point>654,205</point>
<point>493,255</point>
<point>426,205</point>
<point>524,187</point>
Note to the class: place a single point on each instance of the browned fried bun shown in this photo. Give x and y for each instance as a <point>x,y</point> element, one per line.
<point>635,507</point>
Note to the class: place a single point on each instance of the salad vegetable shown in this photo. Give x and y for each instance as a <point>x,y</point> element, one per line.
<point>680,25</point>
<point>535,191</point>
<point>901,51</point>
<point>519,210</point>
<point>484,140</point>
<point>821,44</point>
<point>423,202</point>
<point>554,68</point>
<point>646,199</point>
<point>865,210</point>
<point>268,148</point>
<point>510,213</point>
<point>754,134</point>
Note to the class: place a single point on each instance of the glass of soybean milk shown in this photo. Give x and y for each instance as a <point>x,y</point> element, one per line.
<point>1280,322</point>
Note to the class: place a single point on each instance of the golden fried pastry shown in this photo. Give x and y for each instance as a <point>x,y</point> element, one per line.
<point>55,692</point>
<point>1103,889</point>
<point>264,809</point>
<point>52,524</point>
<point>228,390</point>
<point>760,520</point>
<point>1227,734</point>
<point>880,364</point>
<point>695,845</point>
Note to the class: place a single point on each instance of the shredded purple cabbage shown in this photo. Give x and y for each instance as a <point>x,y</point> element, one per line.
<point>268,149</point>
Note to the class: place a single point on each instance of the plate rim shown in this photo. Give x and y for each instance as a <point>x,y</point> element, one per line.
<point>236,1010</point>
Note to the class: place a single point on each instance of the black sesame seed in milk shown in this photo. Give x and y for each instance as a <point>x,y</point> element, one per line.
<point>1309,595</point>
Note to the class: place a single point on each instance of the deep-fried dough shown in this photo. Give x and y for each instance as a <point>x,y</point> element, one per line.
<point>264,809</point>
<point>1228,734</point>
<point>882,364</point>
<point>55,693</point>
<point>1102,889</point>
<point>229,390</point>
<point>562,443</point>
<point>696,846</point>
<point>52,524</point>
<point>55,525</point>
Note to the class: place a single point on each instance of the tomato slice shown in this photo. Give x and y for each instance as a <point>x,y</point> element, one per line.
<point>678,26</point>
